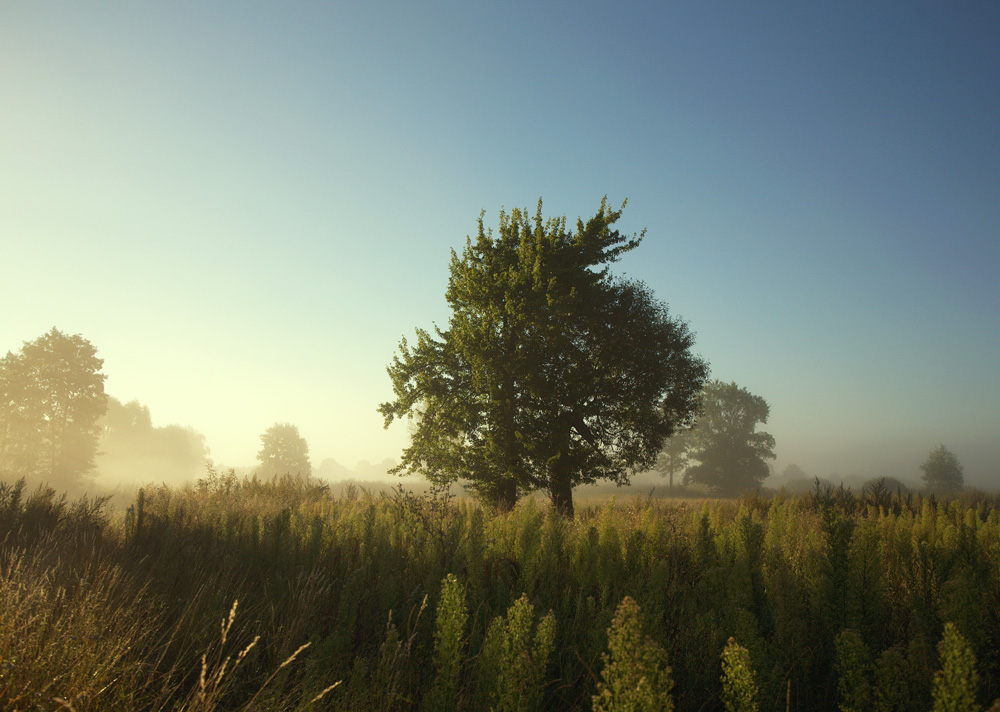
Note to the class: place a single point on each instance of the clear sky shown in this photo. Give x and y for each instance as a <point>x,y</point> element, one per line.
<point>245,205</point>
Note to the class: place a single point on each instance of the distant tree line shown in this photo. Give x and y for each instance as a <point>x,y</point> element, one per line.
<point>131,448</point>
<point>723,450</point>
<point>59,427</point>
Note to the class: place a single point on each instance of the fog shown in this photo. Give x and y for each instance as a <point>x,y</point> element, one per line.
<point>332,471</point>
<point>133,451</point>
<point>854,462</point>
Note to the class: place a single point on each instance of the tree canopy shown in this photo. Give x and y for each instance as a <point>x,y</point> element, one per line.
<point>552,373</point>
<point>731,453</point>
<point>51,399</point>
<point>283,452</point>
<point>942,471</point>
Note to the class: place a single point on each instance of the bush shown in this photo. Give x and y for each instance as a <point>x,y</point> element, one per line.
<point>636,677</point>
<point>739,686</point>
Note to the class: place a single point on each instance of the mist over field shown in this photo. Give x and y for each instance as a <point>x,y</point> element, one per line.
<point>133,452</point>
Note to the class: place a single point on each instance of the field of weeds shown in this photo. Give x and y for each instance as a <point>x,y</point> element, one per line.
<point>276,595</point>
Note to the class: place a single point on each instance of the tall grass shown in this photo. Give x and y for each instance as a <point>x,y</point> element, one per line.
<point>423,601</point>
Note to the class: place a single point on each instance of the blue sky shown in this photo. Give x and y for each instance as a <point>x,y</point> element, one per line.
<point>245,205</point>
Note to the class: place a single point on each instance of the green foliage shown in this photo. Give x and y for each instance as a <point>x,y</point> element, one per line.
<point>512,663</point>
<point>551,373</point>
<point>957,682</point>
<point>386,689</point>
<point>114,611</point>
<point>854,671</point>
<point>739,686</point>
<point>51,399</point>
<point>892,688</point>
<point>942,471</point>
<point>635,677</point>
<point>448,634</point>
<point>283,452</point>
<point>866,607</point>
<point>731,453</point>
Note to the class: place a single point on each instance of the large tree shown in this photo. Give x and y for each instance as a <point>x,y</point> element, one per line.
<point>51,399</point>
<point>942,471</point>
<point>283,452</point>
<point>551,373</point>
<point>731,453</point>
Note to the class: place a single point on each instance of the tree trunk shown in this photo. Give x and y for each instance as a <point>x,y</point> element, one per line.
<point>561,486</point>
<point>562,497</point>
<point>506,495</point>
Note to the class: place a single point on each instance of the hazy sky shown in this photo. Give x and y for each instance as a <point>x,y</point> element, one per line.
<point>245,205</point>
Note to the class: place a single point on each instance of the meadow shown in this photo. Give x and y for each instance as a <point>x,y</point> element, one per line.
<point>240,594</point>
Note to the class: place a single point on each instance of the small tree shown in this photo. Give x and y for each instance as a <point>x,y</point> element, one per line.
<point>731,453</point>
<point>942,471</point>
<point>51,399</point>
<point>283,451</point>
<point>793,472</point>
<point>893,681</point>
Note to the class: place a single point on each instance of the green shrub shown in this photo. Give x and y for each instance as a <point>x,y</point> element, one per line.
<point>739,686</point>
<point>512,662</point>
<point>636,677</point>
<point>449,629</point>
<point>892,688</point>
<point>853,665</point>
<point>956,683</point>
